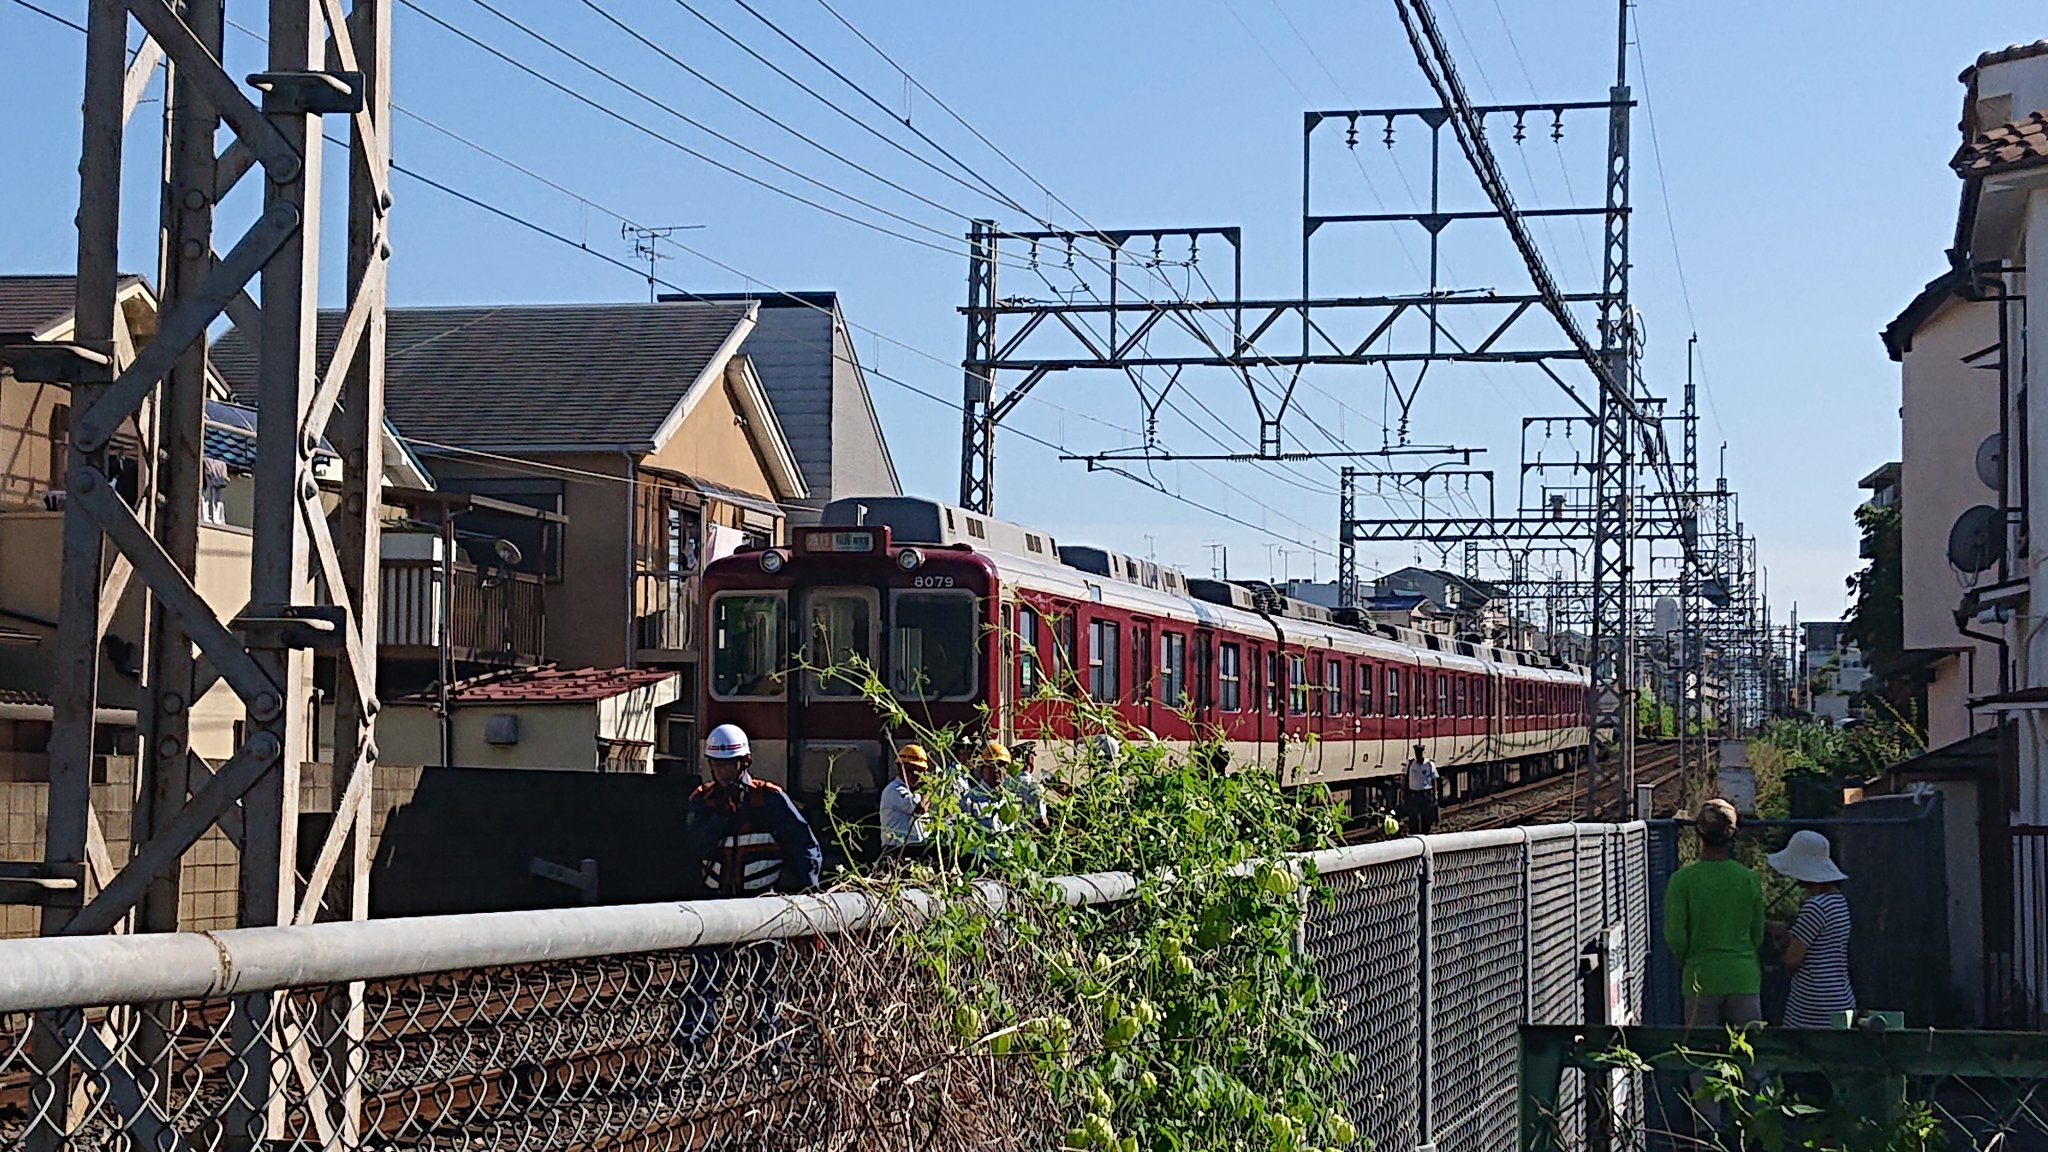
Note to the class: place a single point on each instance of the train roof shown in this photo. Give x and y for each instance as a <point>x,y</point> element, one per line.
<point>1028,556</point>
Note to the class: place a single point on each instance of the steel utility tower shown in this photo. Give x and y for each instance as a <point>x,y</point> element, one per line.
<point>324,71</point>
<point>1125,318</point>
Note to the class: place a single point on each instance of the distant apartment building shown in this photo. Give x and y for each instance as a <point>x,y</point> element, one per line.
<point>1832,668</point>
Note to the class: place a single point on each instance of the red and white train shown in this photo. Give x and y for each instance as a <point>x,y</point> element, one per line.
<point>967,618</point>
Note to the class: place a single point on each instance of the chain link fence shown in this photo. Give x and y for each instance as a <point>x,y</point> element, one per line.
<point>782,1023</point>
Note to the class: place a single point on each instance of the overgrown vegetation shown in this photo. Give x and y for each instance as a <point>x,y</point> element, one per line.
<point>1877,618</point>
<point>1179,1019</point>
<point>1735,1107</point>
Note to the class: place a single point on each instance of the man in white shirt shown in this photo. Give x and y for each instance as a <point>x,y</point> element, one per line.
<point>903,809</point>
<point>1422,780</point>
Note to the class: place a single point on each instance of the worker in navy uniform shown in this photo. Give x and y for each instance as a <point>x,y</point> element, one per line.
<point>742,837</point>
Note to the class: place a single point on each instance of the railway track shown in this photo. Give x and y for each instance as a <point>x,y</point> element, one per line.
<point>1562,797</point>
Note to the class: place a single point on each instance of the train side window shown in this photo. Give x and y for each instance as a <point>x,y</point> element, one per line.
<point>933,640</point>
<point>749,645</point>
<point>1333,688</point>
<point>1227,677</point>
<point>1393,691</point>
<point>1297,685</point>
<point>1173,669</point>
<point>841,640</point>
<point>1103,641</point>
<point>1443,694</point>
<point>1273,682</point>
<point>1458,696</point>
<point>1065,641</point>
<point>1029,674</point>
<point>1366,675</point>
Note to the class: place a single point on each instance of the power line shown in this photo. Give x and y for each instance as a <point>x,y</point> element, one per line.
<point>980,190</point>
<point>750,106</point>
<point>1000,196</point>
<point>686,149</point>
<point>1670,220</point>
<point>47,14</point>
<point>584,246</point>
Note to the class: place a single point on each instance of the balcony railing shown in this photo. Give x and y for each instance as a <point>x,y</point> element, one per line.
<point>494,618</point>
<point>665,610</point>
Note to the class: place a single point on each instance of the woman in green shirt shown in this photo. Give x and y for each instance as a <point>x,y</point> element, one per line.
<point>1714,922</point>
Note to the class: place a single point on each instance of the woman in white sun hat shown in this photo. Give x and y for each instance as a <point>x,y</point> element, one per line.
<point>1816,946</point>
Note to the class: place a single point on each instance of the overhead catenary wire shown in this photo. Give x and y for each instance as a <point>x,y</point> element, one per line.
<point>664,138</point>
<point>1670,219</point>
<point>645,40</point>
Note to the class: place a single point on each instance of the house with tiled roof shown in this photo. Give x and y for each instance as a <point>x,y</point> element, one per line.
<point>550,717</point>
<point>1974,446</point>
<point>643,435</point>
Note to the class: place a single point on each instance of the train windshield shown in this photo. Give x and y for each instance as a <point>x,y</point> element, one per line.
<point>932,645</point>
<point>841,637</point>
<point>749,653</point>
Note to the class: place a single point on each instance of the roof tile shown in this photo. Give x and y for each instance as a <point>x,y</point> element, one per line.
<point>551,684</point>
<point>29,304</point>
<point>2022,143</point>
<point>528,377</point>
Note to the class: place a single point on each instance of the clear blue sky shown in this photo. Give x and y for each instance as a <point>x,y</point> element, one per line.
<point>1804,146</point>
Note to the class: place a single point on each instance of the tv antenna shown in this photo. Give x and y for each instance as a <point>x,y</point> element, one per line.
<point>647,246</point>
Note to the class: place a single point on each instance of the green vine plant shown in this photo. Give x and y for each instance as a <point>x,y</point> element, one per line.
<point>1182,1018</point>
<point>1733,1107</point>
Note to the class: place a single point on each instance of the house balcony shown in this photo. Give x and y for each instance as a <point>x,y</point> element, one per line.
<point>492,617</point>
<point>666,608</point>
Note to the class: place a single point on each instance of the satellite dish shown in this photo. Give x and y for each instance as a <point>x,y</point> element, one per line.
<point>1977,540</point>
<point>1991,461</point>
<point>1666,611</point>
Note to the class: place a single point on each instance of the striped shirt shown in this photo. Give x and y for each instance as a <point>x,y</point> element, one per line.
<point>1820,985</point>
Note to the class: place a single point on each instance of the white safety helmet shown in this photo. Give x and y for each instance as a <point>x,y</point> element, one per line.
<point>727,742</point>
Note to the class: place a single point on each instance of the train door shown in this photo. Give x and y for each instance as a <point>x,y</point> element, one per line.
<point>840,630</point>
<point>1141,693</point>
<point>1003,701</point>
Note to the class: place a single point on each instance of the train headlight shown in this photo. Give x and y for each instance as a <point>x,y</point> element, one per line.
<point>909,559</point>
<point>772,561</point>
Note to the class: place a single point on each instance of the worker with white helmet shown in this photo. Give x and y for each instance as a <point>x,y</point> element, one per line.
<point>742,836</point>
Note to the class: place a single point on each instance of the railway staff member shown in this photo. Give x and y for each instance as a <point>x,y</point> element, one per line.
<point>741,837</point>
<point>904,811</point>
<point>1422,781</point>
<point>1000,798</point>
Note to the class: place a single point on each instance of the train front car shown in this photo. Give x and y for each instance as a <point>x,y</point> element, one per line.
<point>797,637</point>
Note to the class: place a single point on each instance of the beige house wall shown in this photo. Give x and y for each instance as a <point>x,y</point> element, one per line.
<point>713,444</point>
<point>25,444</point>
<point>551,736</point>
<point>30,542</point>
<point>1947,409</point>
